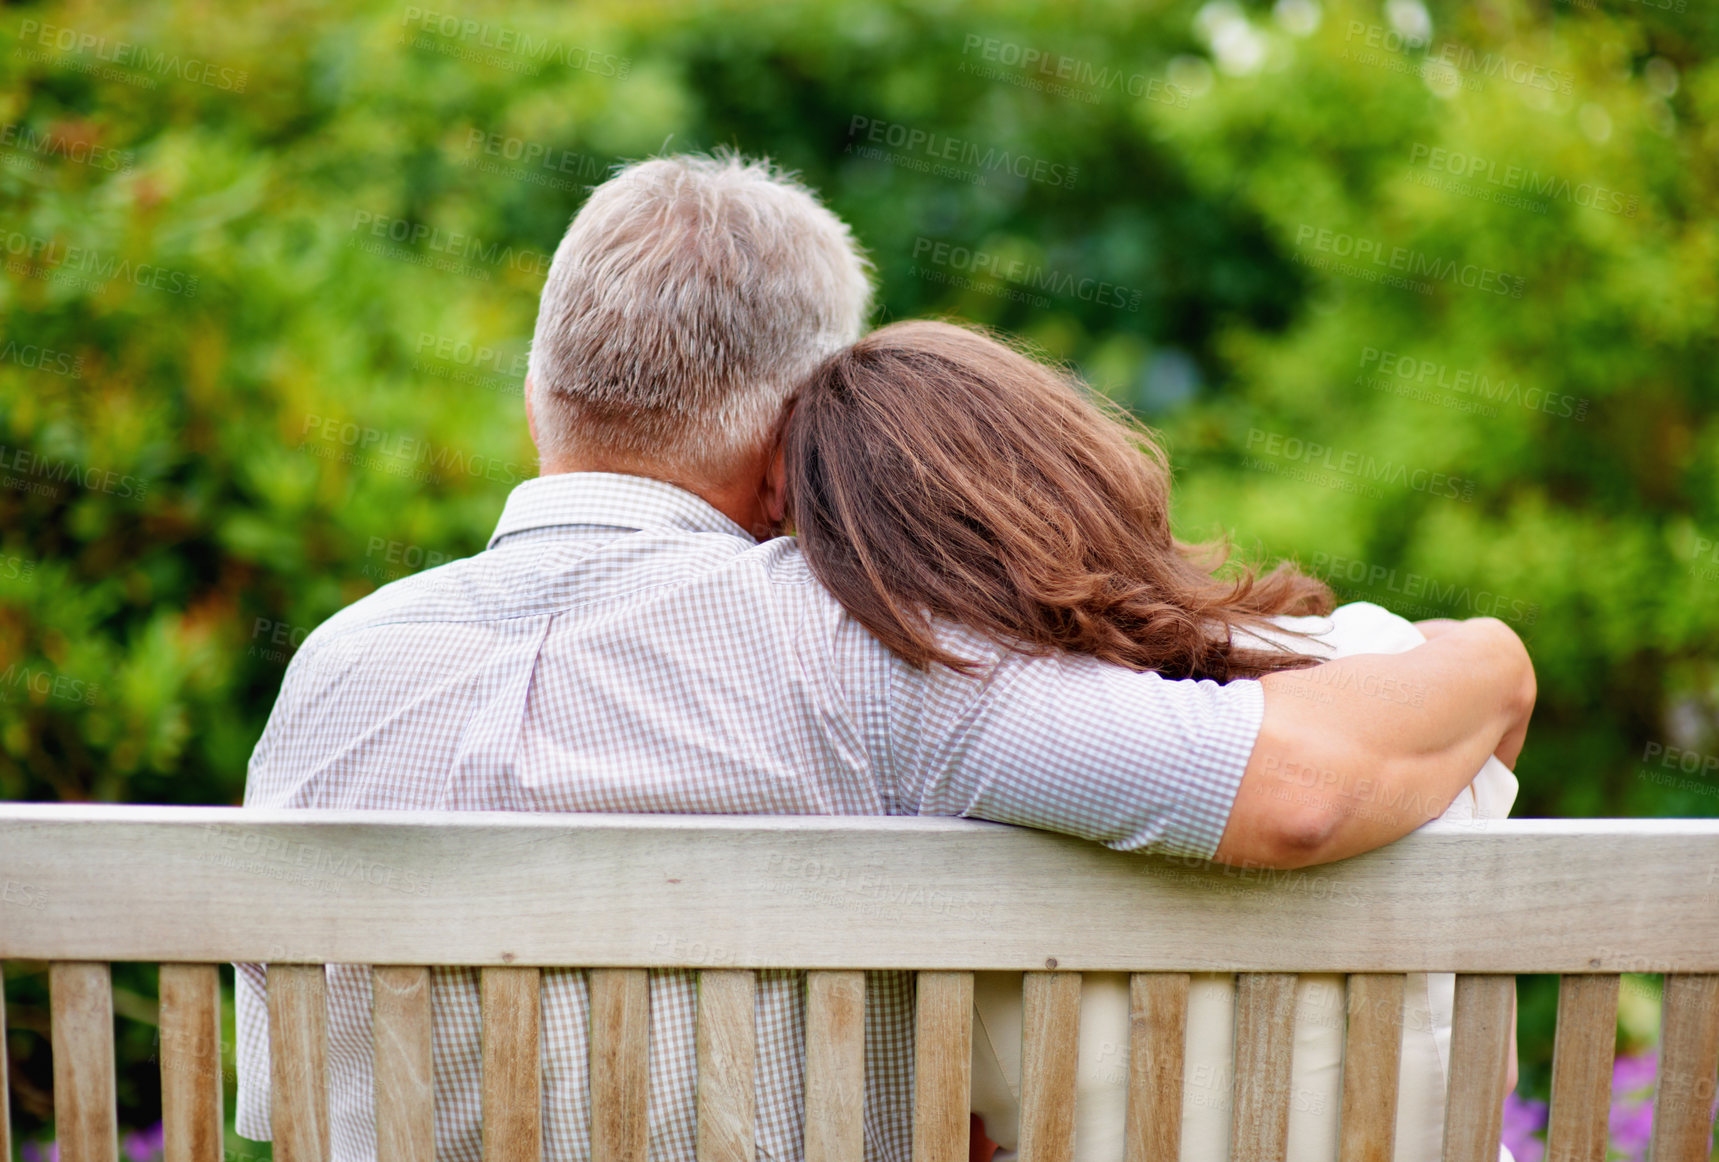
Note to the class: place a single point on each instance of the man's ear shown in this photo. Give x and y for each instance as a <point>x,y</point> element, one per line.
<point>531,417</point>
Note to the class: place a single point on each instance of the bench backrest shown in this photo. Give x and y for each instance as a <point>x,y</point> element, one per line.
<point>512,893</point>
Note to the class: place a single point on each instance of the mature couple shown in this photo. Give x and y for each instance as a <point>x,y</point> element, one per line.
<point>981,612</point>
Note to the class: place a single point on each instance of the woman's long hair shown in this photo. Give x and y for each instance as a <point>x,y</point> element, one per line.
<point>936,473</point>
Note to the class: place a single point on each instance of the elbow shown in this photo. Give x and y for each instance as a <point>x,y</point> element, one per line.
<point>1305,837</point>
<point>1283,837</point>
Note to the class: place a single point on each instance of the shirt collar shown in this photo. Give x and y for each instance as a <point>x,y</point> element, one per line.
<point>608,499</point>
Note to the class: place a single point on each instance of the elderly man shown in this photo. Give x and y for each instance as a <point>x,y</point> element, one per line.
<point>637,638</point>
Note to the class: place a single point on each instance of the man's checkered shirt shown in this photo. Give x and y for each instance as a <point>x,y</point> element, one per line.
<point>621,646</point>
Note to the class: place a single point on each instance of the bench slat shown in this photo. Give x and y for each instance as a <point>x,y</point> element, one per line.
<point>1582,1048</point>
<point>405,1069</point>
<point>5,1088</point>
<point>81,1000</point>
<point>727,1066</point>
<point>1372,1064</point>
<point>620,1064</point>
<point>1688,1062</point>
<point>1265,1040</point>
<point>191,1104</point>
<point>835,1066</point>
<point>405,887</point>
<point>1157,1045</point>
<point>512,1118</point>
<point>298,1049</point>
<point>942,1066</point>
<point>1479,1067</point>
<point>1050,1059</point>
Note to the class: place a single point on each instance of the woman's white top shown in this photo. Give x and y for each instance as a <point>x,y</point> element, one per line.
<point>1316,1069</point>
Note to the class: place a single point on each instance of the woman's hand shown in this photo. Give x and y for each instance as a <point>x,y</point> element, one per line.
<point>1434,626</point>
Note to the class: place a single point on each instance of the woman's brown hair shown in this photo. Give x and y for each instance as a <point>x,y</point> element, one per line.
<point>934,472</point>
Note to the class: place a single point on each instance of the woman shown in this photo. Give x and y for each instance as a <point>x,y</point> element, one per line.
<point>935,475</point>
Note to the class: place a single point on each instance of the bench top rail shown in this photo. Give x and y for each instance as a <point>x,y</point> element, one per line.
<point>201,884</point>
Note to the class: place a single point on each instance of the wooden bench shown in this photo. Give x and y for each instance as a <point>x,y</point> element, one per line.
<point>194,887</point>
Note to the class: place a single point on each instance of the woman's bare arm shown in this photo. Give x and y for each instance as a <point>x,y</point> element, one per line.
<point>1357,752</point>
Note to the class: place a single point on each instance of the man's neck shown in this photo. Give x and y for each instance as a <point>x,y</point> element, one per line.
<point>739,498</point>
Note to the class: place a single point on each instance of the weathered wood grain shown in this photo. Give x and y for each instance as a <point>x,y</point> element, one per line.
<point>727,1065</point>
<point>217,884</point>
<point>1372,1063</point>
<point>942,1066</point>
<point>80,1000</point>
<point>1688,1067</point>
<point>620,1079</point>
<point>5,1089</point>
<point>1050,1061</point>
<point>298,1056</point>
<point>835,1066</point>
<point>512,1101</point>
<point>192,1120</point>
<point>1157,1050</point>
<point>1582,1048</point>
<point>404,1063</point>
<point>1265,1043</point>
<point>1479,1064</point>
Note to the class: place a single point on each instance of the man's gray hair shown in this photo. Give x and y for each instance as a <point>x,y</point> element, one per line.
<point>690,296</point>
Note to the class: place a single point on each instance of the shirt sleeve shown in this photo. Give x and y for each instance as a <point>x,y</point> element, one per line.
<point>1065,743</point>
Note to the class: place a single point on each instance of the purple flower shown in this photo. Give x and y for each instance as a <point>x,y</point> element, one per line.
<point>1634,1072</point>
<point>145,1145</point>
<point>1523,1117</point>
<point>41,1152</point>
<point>1630,1125</point>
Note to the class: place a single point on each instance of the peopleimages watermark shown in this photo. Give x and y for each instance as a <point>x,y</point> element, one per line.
<point>38,358</point>
<point>477,364</point>
<point>307,864</point>
<point>538,164</point>
<point>1441,598</point>
<point>275,641</point>
<point>387,560</point>
<point>694,953</point>
<point>24,895</point>
<point>1400,264</point>
<point>869,894</point>
<point>1664,765</point>
<point>451,250</point>
<point>192,1057</point>
<point>40,684</point>
<point>32,256</point>
<point>1504,182</point>
<point>1454,57</point>
<point>1405,375</point>
<point>400,455</point>
<point>125,54</point>
<point>1046,72</point>
<point>941,155</point>
<point>504,47</point>
<point>1317,685</point>
<point>1358,467</point>
<point>25,141</point>
<point>1709,548</point>
<point>16,568</point>
<point>41,475</point>
<point>1029,276</point>
<point>1345,793</point>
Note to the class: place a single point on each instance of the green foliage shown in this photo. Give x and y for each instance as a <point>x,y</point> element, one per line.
<point>246,409</point>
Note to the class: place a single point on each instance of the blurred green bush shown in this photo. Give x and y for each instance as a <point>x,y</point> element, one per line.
<point>1425,297</point>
